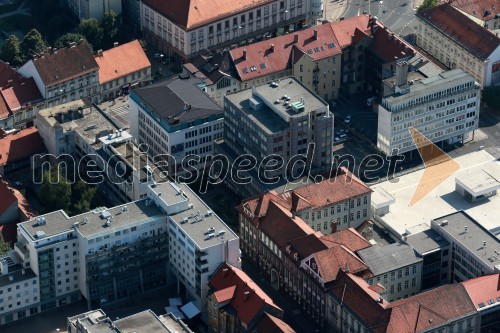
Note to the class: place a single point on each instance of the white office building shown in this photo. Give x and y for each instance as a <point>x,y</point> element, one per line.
<point>444,108</point>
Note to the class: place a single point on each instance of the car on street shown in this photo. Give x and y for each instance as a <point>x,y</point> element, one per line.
<point>341,137</point>
<point>348,119</point>
<point>341,131</point>
<point>369,101</point>
<point>158,55</point>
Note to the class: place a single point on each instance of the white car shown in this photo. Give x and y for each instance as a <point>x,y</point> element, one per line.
<point>369,101</point>
<point>341,137</point>
<point>348,119</point>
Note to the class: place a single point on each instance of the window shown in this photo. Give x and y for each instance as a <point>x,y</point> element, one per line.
<point>325,225</point>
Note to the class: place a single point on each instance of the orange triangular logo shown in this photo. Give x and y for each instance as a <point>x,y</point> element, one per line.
<point>438,166</point>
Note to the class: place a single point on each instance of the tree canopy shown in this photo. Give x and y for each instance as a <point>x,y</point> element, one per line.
<point>11,51</point>
<point>4,246</point>
<point>32,43</point>
<point>92,31</point>
<point>110,24</point>
<point>428,4</point>
<point>68,38</point>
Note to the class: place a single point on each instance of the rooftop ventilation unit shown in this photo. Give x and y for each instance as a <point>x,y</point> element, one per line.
<point>41,220</point>
<point>444,222</point>
<point>222,232</point>
<point>76,224</point>
<point>85,220</point>
<point>211,229</point>
<point>184,220</point>
<point>208,213</point>
<point>40,234</point>
<point>211,235</point>
<point>105,214</point>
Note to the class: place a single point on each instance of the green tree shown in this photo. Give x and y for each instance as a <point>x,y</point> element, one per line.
<point>428,4</point>
<point>68,38</point>
<point>11,51</point>
<point>32,43</point>
<point>110,24</point>
<point>491,97</point>
<point>4,246</point>
<point>144,45</point>
<point>55,191</point>
<point>82,197</point>
<point>91,29</point>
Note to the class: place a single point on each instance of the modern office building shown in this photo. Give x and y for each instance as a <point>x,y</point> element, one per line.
<point>76,133</point>
<point>106,255</point>
<point>121,68</point>
<point>176,119</point>
<point>444,108</point>
<point>397,267</point>
<point>458,42</point>
<point>184,28</point>
<point>282,119</point>
<point>65,75</point>
<point>145,321</point>
<point>86,9</point>
<point>475,251</point>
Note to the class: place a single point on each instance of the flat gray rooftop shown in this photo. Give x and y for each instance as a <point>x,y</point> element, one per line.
<point>58,222</point>
<point>472,239</point>
<point>18,275</point>
<point>145,321</point>
<point>386,258</point>
<point>478,182</point>
<point>426,241</point>
<point>198,223</point>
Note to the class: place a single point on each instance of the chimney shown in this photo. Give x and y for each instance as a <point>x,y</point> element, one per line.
<point>115,44</point>
<point>295,39</point>
<point>224,272</point>
<point>341,18</point>
<point>246,295</point>
<point>272,47</point>
<point>401,73</point>
<point>315,34</point>
<point>99,53</point>
<point>244,54</point>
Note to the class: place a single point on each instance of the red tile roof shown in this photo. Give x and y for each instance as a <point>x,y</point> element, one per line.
<point>285,51</point>
<point>17,91</point>
<point>225,294</point>
<point>305,246</point>
<point>480,42</point>
<point>354,292</point>
<point>349,237</point>
<point>190,14</point>
<point>430,309</point>
<point>65,64</point>
<point>121,60</point>
<point>388,46</point>
<point>20,145</point>
<point>4,109</point>
<point>346,28</point>
<point>271,324</point>
<point>484,10</point>
<point>8,197</point>
<point>248,299</point>
<point>483,289</point>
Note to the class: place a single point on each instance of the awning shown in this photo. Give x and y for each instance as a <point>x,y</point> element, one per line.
<point>190,310</point>
<point>175,301</point>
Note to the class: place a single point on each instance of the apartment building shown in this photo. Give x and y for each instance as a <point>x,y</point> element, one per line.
<point>19,289</point>
<point>183,29</point>
<point>121,68</point>
<point>458,42</point>
<point>354,306</point>
<point>147,321</point>
<point>65,75</point>
<point>474,250</point>
<point>19,99</point>
<point>483,12</point>
<point>484,293</point>
<point>86,9</point>
<point>169,237</point>
<point>281,119</point>
<point>397,267</point>
<point>177,119</point>
<point>236,303</point>
<point>444,108</point>
<point>76,133</point>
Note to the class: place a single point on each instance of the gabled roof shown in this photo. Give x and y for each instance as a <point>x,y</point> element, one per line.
<point>271,324</point>
<point>483,10</point>
<point>484,291</point>
<point>478,41</point>
<point>388,46</point>
<point>121,60</point>
<point>7,197</point>
<point>225,294</point>
<point>248,300</point>
<point>345,29</point>
<point>383,259</point>
<point>331,261</point>
<point>17,91</point>
<point>211,68</point>
<point>20,145</point>
<point>430,309</point>
<point>349,237</point>
<point>190,14</point>
<point>65,64</point>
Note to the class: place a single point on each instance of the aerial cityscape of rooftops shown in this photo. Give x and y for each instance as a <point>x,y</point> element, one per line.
<point>260,166</point>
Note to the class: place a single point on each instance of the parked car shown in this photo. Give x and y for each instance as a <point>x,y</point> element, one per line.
<point>342,131</point>
<point>348,119</point>
<point>341,137</point>
<point>158,55</point>
<point>369,101</point>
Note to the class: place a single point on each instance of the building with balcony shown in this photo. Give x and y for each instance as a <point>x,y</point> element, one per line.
<point>65,75</point>
<point>177,123</point>
<point>281,119</point>
<point>444,108</point>
<point>185,28</point>
<point>458,42</point>
<point>121,68</point>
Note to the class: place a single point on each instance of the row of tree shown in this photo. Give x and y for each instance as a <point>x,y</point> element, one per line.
<point>97,34</point>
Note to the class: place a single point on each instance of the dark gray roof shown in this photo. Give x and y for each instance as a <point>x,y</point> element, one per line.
<point>383,259</point>
<point>18,275</point>
<point>426,241</point>
<point>168,99</point>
